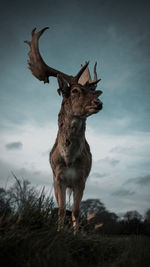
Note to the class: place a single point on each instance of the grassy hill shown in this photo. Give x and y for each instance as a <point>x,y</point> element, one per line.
<point>29,237</point>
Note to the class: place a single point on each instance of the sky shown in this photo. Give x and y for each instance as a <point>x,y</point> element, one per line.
<point>116,34</point>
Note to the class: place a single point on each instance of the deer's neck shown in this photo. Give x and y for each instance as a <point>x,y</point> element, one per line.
<point>71,136</point>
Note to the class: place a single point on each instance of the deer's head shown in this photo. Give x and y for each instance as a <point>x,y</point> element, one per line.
<point>79,92</point>
<point>80,100</point>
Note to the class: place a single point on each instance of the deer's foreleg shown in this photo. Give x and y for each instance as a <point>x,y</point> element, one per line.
<point>60,193</point>
<point>77,195</point>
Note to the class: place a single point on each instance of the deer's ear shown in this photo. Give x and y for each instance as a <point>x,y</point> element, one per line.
<point>63,85</point>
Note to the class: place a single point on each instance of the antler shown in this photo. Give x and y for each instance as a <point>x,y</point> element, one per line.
<point>86,77</point>
<point>39,68</point>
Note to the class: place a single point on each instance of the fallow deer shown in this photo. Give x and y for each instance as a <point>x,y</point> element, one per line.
<point>70,157</point>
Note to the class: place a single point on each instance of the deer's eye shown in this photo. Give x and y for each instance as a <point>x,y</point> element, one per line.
<point>75,91</point>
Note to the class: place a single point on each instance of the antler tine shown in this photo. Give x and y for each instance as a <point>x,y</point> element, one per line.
<point>95,73</point>
<point>37,65</point>
<point>40,32</point>
<point>77,77</point>
<point>95,81</point>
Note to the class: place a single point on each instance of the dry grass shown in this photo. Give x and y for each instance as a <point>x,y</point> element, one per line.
<point>28,238</point>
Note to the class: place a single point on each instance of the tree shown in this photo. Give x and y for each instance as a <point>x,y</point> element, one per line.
<point>132,215</point>
<point>147,215</point>
<point>91,206</point>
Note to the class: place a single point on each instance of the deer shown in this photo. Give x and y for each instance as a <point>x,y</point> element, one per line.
<point>70,157</point>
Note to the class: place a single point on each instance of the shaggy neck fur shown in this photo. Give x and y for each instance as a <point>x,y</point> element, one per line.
<point>71,134</point>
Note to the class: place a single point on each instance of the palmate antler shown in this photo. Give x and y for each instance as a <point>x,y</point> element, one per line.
<point>40,69</point>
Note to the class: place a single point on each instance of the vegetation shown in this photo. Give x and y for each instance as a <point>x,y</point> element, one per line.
<point>28,234</point>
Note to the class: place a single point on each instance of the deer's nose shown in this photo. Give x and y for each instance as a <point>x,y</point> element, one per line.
<point>98,103</point>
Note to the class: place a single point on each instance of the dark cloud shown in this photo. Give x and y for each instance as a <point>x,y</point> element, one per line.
<point>141,180</point>
<point>110,161</point>
<point>97,175</point>
<point>36,177</point>
<point>120,149</point>
<point>123,193</point>
<point>144,180</point>
<point>14,145</point>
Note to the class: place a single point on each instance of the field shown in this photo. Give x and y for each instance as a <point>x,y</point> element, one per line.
<point>29,237</point>
<point>21,246</point>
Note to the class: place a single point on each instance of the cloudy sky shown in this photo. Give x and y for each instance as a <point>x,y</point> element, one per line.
<point>117,35</point>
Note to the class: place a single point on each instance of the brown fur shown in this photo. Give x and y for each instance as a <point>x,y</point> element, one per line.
<point>70,157</point>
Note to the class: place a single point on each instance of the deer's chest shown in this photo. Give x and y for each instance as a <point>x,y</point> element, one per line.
<point>71,176</point>
<point>71,141</point>
<point>71,153</point>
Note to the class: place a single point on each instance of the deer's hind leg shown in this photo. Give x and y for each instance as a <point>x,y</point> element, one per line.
<point>60,193</point>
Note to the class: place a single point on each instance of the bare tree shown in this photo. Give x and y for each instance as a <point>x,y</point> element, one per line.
<point>91,206</point>
<point>132,215</point>
<point>147,215</point>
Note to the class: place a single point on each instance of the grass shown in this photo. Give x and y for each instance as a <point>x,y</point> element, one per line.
<point>28,242</point>
<point>29,237</point>
<point>21,246</point>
